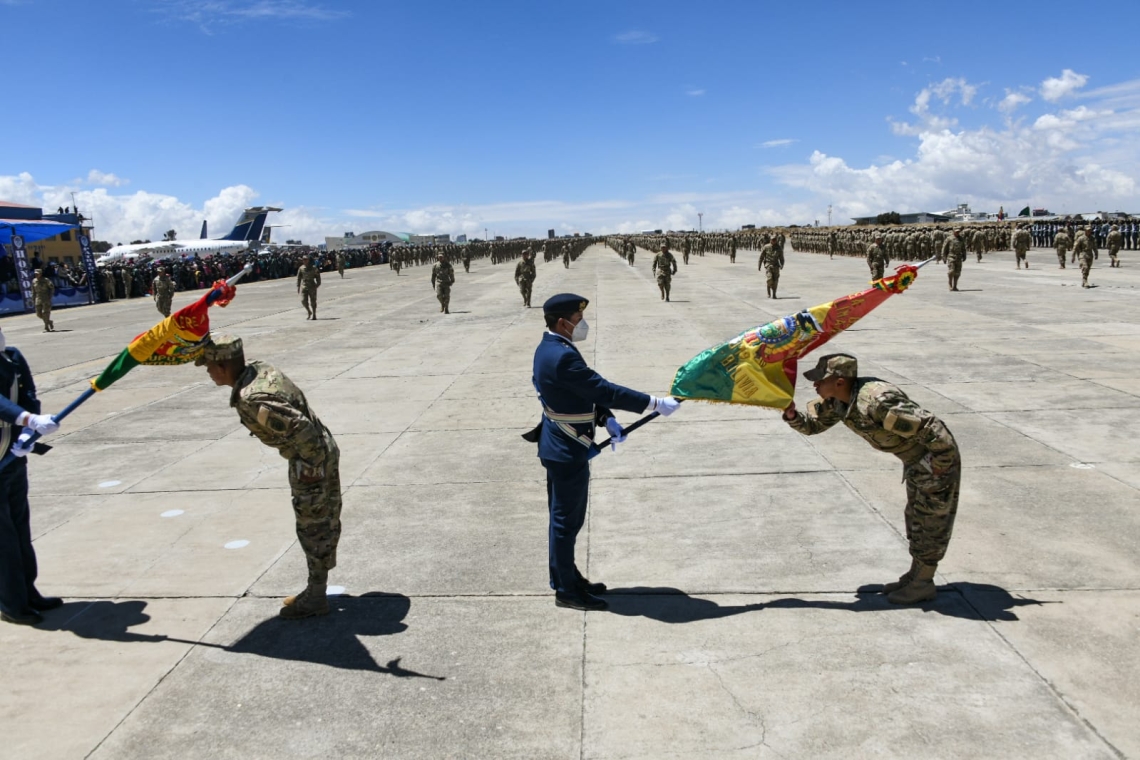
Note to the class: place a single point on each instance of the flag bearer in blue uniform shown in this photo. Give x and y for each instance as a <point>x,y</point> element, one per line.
<point>575,399</point>
<point>20,602</point>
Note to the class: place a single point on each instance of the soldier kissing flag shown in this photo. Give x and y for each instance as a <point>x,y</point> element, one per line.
<point>758,367</point>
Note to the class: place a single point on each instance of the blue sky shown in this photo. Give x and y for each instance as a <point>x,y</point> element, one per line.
<point>584,116</point>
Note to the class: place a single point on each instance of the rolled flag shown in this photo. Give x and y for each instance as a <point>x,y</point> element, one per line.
<point>758,367</point>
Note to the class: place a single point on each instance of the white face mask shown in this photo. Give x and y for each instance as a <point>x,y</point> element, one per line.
<point>581,330</point>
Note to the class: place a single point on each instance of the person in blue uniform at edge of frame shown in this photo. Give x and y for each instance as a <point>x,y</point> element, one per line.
<point>20,602</point>
<point>575,399</point>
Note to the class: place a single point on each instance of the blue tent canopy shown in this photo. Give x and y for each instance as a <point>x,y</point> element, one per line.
<point>30,230</point>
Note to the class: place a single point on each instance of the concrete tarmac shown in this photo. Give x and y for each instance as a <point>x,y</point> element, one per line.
<point>743,558</point>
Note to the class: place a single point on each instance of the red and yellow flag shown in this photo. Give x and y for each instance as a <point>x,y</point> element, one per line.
<point>758,367</point>
<point>178,339</point>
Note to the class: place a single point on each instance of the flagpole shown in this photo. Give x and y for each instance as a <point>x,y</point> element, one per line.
<point>634,426</point>
<point>213,295</point>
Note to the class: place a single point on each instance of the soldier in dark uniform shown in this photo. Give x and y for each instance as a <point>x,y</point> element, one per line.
<point>20,602</point>
<point>574,400</point>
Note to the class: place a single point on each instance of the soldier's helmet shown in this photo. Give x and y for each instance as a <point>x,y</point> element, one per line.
<point>220,348</point>
<point>38,271</point>
<point>665,245</point>
<point>833,365</point>
<point>160,270</point>
<point>1115,227</point>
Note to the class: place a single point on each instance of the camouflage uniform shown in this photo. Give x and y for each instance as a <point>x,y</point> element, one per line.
<point>442,278</point>
<point>1061,243</point>
<point>275,411</point>
<point>308,280</point>
<point>524,278</point>
<point>771,262</point>
<point>42,290</point>
<point>883,416</point>
<point>665,266</point>
<point>163,288</point>
<point>953,253</point>
<point>1022,242</point>
<point>1083,251</point>
<point>1115,242</point>
<point>877,261</point>
<point>340,263</point>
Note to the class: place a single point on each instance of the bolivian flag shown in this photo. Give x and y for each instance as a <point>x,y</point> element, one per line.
<point>758,367</point>
<point>178,339</point>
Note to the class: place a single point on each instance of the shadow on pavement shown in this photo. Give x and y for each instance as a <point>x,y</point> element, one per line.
<point>331,640</point>
<point>669,605</point>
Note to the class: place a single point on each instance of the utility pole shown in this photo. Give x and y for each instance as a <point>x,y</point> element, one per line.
<point>829,215</point>
<point>700,221</point>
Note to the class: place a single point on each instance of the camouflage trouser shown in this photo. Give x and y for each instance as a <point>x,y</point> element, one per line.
<point>1061,256</point>
<point>1086,264</point>
<point>525,287</point>
<point>162,303</point>
<point>954,267</point>
<point>443,293</point>
<point>931,504</point>
<point>43,311</point>
<point>1021,254</point>
<point>1112,252</point>
<point>877,271</point>
<point>309,300</point>
<point>665,282</point>
<point>317,509</point>
<point>772,276</point>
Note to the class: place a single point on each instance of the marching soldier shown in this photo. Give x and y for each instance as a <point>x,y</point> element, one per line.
<point>954,253</point>
<point>1114,242</point>
<point>1083,250</point>
<point>1022,242</point>
<point>1061,243</point>
<point>885,417</point>
<point>466,258</point>
<point>771,262</point>
<point>442,278</point>
<point>665,266</point>
<point>525,274</point>
<point>575,399</point>
<point>308,280</point>
<point>42,290</point>
<point>275,410</point>
<point>877,259</point>
<point>340,263</point>
<point>163,289</point>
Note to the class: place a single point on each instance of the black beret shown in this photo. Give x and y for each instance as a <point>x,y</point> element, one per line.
<point>564,303</point>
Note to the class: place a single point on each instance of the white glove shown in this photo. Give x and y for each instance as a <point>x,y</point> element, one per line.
<point>664,406</point>
<point>41,423</point>
<point>23,446</point>
<point>616,431</point>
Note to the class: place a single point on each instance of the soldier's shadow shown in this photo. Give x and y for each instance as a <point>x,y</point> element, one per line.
<point>670,605</point>
<point>331,640</point>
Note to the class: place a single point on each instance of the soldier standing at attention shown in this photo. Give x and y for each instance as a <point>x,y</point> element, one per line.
<point>731,250</point>
<point>42,290</point>
<point>276,412</point>
<point>954,253</point>
<point>340,263</point>
<point>665,266</point>
<point>163,289</point>
<point>1114,242</point>
<point>308,280</point>
<point>574,400</point>
<point>525,274</point>
<point>771,262</point>
<point>883,416</point>
<point>442,278</point>
<point>128,282</point>
<point>1061,243</point>
<point>686,246</point>
<point>877,258</point>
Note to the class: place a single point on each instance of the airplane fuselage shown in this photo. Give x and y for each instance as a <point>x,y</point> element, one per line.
<point>174,249</point>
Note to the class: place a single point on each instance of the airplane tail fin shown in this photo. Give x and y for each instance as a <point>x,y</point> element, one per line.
<point>251,224</point>
<point>203,235</point>
<point>266,235</point>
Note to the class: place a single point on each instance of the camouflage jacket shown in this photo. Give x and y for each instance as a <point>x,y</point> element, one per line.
<point>308,278</point>
<point>43,289</point>
<point>885,417</point>
<point>1114,239</point>
<point>163,287</point>
<point>1083,247</point>
<point>664,264</point>
<point>276,412</point>
<point>876,255</point>
<point>1022,240</point>
<point>525,271</point>
<point>442,274</point>
<point>769,259</point>
<point>953,249</point>
<point>1062,242</point>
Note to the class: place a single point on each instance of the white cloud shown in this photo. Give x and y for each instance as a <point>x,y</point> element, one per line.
<point>1012,101</point>
<point>209,15</point>
<point>778,143</point>
<point>1055,88</point>
<point>106,179</point>
<point>944,92</point>
<point>635,37</point>
<point>694,93</point>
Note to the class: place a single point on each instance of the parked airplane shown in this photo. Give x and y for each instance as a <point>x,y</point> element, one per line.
<point>246,234</point>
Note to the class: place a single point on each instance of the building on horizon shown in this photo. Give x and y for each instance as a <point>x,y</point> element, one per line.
<point>379,237</point>
<point>918,217</point>
<point>61,249</point>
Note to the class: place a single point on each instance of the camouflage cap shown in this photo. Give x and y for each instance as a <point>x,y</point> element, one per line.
<point>220,348</point>
<point>833,365</point>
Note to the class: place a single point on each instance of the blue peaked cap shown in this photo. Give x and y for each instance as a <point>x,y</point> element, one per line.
<point>564,304</point>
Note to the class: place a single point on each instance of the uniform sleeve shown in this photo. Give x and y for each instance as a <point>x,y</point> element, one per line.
<point>10,411</point>
<point>906,419</point>
<point>818,417</point>
<point>285,423</point>
<point>577,378</point>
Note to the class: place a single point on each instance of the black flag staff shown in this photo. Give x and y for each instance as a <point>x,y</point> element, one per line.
<point>647,418</point>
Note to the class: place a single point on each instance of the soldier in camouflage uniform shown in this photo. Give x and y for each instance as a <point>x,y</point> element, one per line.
<point>954,253</point>
<point>466,259</point>
<point>1061,243</point>
<point>524,275</point>
<point>1083,250</point>
<point>771,262</point>
<point>42,291</point>
<point>883,416</point>
<point>163,289</point>
<point>274,410</point>
<point>1021,243</point>
<point>877,259</point>
<point>308,280</point>
<point>442,278</point>
<point>340,263</point>
<point>665,267</point>
<point>1115,242</point>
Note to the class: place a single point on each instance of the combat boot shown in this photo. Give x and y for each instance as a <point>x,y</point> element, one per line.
<point>903,580</point>
<point>920,589</point>
<point>312,601</point>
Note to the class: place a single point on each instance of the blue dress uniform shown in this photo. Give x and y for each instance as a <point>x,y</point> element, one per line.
<point>575,400</point>
<point>18,568</point>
